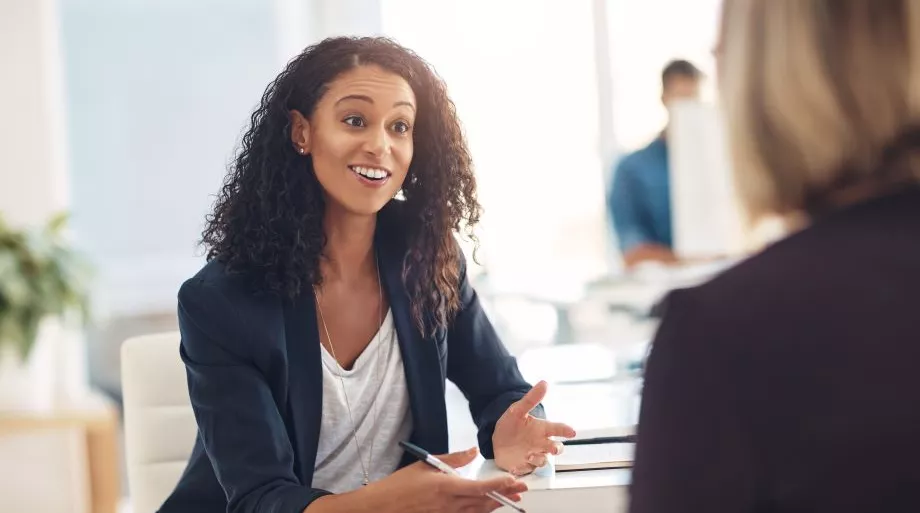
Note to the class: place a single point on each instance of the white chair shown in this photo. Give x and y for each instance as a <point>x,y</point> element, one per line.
<point>160,426</point>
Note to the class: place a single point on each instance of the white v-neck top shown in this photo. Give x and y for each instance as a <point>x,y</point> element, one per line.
<point>377,374</point>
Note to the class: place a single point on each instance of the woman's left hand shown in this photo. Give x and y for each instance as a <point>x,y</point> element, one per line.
<point>522,441</point>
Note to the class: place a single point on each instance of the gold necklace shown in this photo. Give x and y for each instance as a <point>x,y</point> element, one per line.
<point>354,428</point>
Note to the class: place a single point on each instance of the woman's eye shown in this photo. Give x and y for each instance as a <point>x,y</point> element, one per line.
<point>401,127</point>
<point>355,121</point>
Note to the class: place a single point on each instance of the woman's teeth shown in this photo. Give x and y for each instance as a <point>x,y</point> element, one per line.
<point>369,172</point>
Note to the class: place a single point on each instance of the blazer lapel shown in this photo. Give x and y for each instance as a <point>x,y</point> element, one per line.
<point>305,382</point>
<point>420,359</point>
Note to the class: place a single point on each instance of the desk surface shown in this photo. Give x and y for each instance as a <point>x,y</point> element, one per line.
<point>547,479</point>
<point>95,412</point>
<point>593,491</point>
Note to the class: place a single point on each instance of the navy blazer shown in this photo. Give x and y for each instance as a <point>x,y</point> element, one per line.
<point>790,383</point>
<point>255,382</point>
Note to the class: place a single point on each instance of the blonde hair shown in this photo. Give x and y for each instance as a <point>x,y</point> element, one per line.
<point>821,98</point>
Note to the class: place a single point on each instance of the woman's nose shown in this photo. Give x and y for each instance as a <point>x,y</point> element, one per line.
<point>377,142</point>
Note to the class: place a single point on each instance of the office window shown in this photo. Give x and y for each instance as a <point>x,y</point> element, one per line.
<point>522,73</point>
<point>644,36</point>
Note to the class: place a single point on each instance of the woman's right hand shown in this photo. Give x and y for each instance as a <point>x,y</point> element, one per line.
<point>419,488</point>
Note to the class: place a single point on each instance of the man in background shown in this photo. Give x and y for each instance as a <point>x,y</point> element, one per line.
<point>640,199</point>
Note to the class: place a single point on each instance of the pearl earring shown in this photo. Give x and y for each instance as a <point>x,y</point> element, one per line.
<point>301,151</point>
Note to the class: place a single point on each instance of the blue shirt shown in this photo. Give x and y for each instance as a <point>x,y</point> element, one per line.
<point>640,199</point>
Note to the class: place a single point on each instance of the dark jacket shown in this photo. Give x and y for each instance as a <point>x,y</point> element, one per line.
<point>791,383</point>
<point>255,382</point>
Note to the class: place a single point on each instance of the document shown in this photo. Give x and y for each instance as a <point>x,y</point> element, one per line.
<point>595,457</point>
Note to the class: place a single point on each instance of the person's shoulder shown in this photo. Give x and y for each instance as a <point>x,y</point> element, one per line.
<point>755,279</point>
<point>216,291</point>
<point>220,309</point>
<point>761,290</point>
<point>636,159</point>
<point>628,161</point>
<point>776,301</point>
<point>213,276</point>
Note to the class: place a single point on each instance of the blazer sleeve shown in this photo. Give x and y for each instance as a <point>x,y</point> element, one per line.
<point>694,450</point>
<point>238,420</point>
<point>480,365</point>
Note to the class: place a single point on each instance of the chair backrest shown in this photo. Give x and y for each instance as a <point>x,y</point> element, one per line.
<point>160,426</point>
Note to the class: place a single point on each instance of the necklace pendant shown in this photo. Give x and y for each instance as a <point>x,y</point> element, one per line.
<point>366,482</point>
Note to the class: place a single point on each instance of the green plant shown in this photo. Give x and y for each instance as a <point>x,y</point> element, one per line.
<point>40,276</point>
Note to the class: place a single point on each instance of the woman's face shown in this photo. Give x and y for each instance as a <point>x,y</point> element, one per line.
<point>360,138</point>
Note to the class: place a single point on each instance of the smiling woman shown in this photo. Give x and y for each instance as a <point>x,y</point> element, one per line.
<point>362,123</point>
<point>327,108</point>
<point>321,332</point>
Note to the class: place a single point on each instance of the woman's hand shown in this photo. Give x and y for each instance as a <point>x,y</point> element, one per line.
<point>522,441</point>
<point>419,488</point>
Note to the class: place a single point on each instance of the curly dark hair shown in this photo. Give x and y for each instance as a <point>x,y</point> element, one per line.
<point>267,220</point>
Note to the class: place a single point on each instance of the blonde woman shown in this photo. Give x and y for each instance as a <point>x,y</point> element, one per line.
<point>791,383</point>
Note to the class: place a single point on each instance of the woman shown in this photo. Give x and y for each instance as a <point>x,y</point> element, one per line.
<point>321,331</point>
<point>790,383</point>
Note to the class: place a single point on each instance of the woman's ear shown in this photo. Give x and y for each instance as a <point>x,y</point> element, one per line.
<point>300,132</point>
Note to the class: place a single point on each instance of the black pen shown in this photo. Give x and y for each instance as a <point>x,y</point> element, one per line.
<point>626,439</point>
<point>423,455</point>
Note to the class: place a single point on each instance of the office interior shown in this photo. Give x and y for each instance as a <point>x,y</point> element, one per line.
<point>125,114</point>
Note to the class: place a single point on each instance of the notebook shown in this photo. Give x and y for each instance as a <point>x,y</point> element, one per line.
<point>595,457</point>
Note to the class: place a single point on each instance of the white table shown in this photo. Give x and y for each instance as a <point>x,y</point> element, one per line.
<point>592,491</point>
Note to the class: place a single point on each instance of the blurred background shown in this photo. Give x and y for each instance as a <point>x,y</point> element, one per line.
<point>123,114</point>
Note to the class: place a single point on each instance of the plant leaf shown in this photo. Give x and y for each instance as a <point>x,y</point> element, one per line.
<point>40,276</point>
<point>57,223</point>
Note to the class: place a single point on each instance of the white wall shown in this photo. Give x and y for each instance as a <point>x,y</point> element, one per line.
<point>159,93</point>
<point>644,36</point>
<point>33,174</point>
<point>524,78</point>
<point>33,186</point>
<point>302,22</point>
